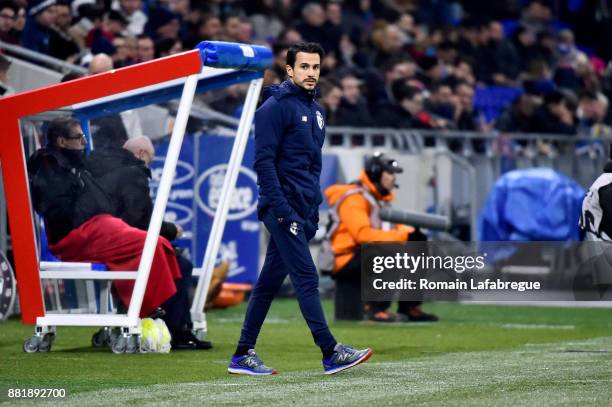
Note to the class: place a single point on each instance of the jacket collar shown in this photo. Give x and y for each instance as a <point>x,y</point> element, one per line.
<point>52,152</point>
<point>296,90</point>
<point>105,160</point>
<point>288,88</point>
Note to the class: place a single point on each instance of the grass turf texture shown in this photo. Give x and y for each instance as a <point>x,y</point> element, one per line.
<point>477,355</point>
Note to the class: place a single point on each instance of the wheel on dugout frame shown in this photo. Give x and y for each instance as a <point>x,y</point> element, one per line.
<point>46,342</point>
<point>101,338</point>
<point>7,287</point>
<point>120,345</point>
<point>133,344</point>
<point>31,344</point>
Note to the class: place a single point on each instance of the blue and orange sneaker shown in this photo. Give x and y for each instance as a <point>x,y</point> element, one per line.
<point>345,357</point>
<point>249,364</point>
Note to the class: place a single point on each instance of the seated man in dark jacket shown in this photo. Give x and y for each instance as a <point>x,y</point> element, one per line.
<point>554,116</point>
<point>124,174</point>
<point>76,211</point>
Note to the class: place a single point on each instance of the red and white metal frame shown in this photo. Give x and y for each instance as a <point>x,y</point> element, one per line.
<point>12,159</point>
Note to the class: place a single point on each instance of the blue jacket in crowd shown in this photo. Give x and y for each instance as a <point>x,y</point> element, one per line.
<point>289,134</point>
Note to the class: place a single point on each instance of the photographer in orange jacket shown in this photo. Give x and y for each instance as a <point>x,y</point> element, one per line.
<point>358,206</point>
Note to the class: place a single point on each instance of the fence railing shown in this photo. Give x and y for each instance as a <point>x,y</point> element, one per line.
<point>477,158</point>
<point>45,60</point>
<point>415,140</point>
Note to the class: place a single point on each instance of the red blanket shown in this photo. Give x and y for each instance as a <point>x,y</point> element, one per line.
<point>109,240</point>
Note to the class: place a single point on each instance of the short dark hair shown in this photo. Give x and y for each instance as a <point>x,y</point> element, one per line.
<point>402,90</point>
<point>164,45</point>
<point>70,76</point>
<point>60,127</point>
<point>588,94</point>
<point>307,47</point>
<point>395,60</point>
<point>553,97</point>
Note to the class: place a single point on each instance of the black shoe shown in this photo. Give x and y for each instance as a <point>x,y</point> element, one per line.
<point>157,313</point>
<point>416,314</point>
<point>186,340</point>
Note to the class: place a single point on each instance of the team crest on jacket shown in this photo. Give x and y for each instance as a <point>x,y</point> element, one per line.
<point>320,120</point>
<point>294,228</point>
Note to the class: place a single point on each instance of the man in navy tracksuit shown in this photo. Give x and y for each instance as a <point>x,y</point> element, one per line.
<point>289,134</point>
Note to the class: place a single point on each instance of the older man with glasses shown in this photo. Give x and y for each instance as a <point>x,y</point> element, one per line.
<point>79,225</point>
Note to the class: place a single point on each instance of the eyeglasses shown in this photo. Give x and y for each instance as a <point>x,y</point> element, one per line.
<point>79,136</point>
<point>8,17</point>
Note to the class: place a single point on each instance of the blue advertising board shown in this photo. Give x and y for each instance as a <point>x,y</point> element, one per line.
<point>195,196</point>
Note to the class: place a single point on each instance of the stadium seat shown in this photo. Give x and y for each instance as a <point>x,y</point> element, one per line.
<point>492,100</point>
<point>98,295</point>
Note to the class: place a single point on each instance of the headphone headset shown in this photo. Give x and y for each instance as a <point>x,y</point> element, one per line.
<point>374,166</point>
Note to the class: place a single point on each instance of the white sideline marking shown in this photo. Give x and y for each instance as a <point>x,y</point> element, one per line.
<point>512,377</point>
<point>538,326</point>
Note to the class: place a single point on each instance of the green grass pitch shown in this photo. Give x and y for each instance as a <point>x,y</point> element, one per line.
<point>477,355</point>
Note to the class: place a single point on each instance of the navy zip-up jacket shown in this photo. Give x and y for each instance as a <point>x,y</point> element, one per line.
<point>289,134</point>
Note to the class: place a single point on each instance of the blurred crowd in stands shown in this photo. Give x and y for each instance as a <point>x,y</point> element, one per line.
<point>515,65</point>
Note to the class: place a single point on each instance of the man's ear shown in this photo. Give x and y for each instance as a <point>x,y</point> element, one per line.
<point>61,142</point>
<point>289,69</point>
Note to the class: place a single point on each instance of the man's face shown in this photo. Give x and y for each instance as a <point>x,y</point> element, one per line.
<point>232,27</point>
<point>306,70</point>
<point>402,70</point>
<point>46,18</point>
<point>387,180</point>
<point>496,31</point>
<point>332,99</point>
<point>245,32</point>
<point>180,6</point>
<point>593,109</point>
<point>350,89</point>
<point>146,50</point>
<point>122,50</point>
<point>211,29</point>
<point>169,30</point>
<point>291,37</point>
<point>315,16</point>
<point>444,95</point>
<point>129,6</point>
<point>334,13</point>
<point>115,26</point>
<point>392,39</point>
<point>63,18</point>
<point>7,20</point>
<point>413,106</point>
<point>177,48</point>
<point>463,71</point>
<point>556,108</point>
<point>75,140</point>
<point>466,96</point>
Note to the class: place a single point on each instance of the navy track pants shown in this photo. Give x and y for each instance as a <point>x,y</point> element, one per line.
<point>287,253</point>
